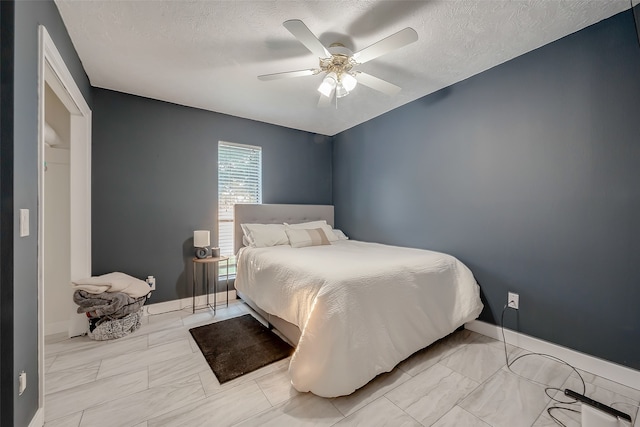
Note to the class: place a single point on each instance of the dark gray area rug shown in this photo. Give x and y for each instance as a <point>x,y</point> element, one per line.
<point>237,346</point>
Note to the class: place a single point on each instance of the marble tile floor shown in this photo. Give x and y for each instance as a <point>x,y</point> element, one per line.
<point>157,376</point>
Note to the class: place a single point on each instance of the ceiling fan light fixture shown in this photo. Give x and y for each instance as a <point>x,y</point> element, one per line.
<point>328,84</point>
<point>338,62</point>
<point>341,91</point>
<point>348,81</point>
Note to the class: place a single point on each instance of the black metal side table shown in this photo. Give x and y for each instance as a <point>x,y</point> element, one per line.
<point>206,262</point>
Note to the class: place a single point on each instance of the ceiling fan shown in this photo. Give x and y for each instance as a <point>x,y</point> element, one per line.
<point>339,63</point>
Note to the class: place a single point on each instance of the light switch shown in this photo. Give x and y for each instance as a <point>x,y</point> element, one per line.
<point>24,222</point>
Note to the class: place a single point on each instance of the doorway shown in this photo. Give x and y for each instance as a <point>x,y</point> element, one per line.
<point>64,199</point>
<point>56,210</point>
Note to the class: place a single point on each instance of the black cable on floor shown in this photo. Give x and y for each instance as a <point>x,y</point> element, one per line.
<point>547,389</point>
<point>168,311</point>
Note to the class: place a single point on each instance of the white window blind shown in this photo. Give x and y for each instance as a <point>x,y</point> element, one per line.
<point>239,181</point>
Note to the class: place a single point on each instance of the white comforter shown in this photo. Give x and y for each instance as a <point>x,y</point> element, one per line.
<point>362,307</point>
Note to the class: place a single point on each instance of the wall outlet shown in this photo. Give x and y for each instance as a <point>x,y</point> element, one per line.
<point>22,382</point>
<point>513,300</point>
<point>151,281</point>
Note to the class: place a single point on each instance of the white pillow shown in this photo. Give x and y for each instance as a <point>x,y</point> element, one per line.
<point>301,237</point>
<point>307,225</point>
<point>339,234</point>
<point>315,224</point>
<point>265,235</point>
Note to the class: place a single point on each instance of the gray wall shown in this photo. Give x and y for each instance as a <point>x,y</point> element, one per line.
<point>530,174</point>
<point>155,180</point>
<point>28,14</point>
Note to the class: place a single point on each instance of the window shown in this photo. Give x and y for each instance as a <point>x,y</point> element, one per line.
<point>239,181</point>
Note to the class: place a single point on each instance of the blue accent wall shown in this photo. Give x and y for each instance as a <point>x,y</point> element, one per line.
<point>155,180</point>
<point>530,174</point>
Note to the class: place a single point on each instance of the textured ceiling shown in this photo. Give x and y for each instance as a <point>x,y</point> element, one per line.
<point>208,54</point>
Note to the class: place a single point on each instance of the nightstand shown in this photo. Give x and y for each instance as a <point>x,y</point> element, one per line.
<point>206,262</point>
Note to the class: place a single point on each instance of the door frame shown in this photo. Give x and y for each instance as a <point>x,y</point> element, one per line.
<point>7,69</point>
<point>53,70</point>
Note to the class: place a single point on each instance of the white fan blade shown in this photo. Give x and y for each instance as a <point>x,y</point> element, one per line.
<point>306,37</point>
<point>386,45</point>
<point>287,74</point>
<point>377,84</point>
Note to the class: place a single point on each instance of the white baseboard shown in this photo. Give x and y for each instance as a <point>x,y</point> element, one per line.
<point>600,367</point>
<point>56,327</point>
<point>38,418</point>
<point>179,304</point>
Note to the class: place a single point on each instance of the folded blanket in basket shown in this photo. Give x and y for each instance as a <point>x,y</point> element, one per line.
<point>113,282</point>
<point>111,304</point>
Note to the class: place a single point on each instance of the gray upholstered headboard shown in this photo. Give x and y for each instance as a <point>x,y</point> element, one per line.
<point>276,214</point>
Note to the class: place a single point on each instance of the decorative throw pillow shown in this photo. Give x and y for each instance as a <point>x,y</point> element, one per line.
<point>299,238</point>
<point>328,230</point>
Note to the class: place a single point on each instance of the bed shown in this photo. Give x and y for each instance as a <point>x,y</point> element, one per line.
<point>353,309</point>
